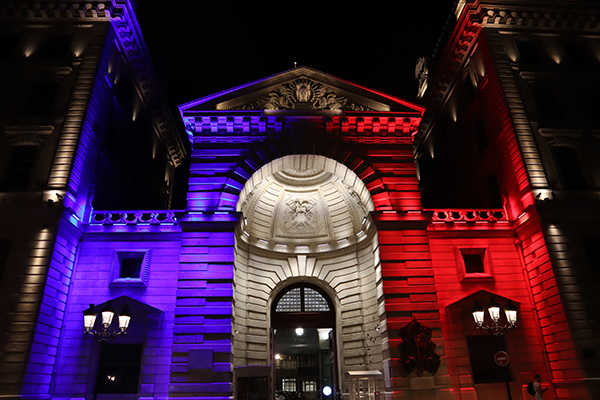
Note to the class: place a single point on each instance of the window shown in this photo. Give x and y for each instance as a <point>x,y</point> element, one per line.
<point>302,299</point>
<point>9,45</point>
<point>548,105</point>
<point>40,101</point>
<point>131,264</point>
<point>119,368</point>
<point>20,168</point>
<point>481,353</point>
<point>309,386</point>
<point>4,250</point>
<point>288,384</point>
<point>494,191</point>
<point>591,101</point>
<point>569,168</point>
<point>130,268</point>
<point>591,247</point>
<point>529,52</point>
<point>480,137</point>
<point>474,264</point>
<point>57,47</point>
<point>579,55</point>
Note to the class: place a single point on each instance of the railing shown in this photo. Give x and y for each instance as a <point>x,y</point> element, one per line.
<point>466,215</point>
<point>147,217</point>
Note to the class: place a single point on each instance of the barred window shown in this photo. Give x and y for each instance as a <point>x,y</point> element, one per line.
<point>290,302</point>
<point>309,386</point>
<point>288,384</point>
<point>314,301</point>
<point>302,299</point>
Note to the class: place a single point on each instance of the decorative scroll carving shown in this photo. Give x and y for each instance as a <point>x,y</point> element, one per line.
<point>356,197</point>
<point>303,94</point>
<point>455,215</point>
<point>418,350</point>
<point>133,217</point>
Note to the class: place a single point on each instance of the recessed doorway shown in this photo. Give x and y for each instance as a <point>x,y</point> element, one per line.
<point>303,322</point>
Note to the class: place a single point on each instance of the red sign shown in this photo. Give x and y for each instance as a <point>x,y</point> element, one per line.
<point>501,358</point>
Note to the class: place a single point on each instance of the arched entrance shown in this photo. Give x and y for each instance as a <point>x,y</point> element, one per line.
<point>306,240</point>
<point>303,326</point>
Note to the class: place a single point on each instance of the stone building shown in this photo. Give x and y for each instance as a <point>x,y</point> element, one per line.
<point>332,233</point>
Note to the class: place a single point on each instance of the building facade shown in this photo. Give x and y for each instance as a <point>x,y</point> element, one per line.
<point>334,236</point>
<point>79,98</point>
<point>511,122</point>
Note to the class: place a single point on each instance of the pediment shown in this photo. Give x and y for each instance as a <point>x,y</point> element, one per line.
<point>301,89</point>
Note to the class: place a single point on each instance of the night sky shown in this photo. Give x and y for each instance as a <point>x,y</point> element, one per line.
<point>201,47</point>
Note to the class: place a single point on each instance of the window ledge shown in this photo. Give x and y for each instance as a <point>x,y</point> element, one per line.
<point>128,282</point>
<point>477,278</point>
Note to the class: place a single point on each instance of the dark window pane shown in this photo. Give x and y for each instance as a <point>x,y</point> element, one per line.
<point>481,353</point>
<point>579,54</point>
<point>40,100</point>
<point>548,105</point>
<point>130,264</point>
<point>119,368</point>
<point>569,168</point>
<point>9,45</point>
<point>20,167</point>
<point>473,262</point>
<point>57,47</point>
<point>529,52</point>
<point>494,190</point>
<point>591,101</point>
<point>480,137</point>
<point>4,250</point>
<point>591,246</point>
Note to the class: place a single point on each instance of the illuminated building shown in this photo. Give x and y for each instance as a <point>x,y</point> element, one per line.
<point>512,121</point>
<point>81,118</point>
<point>309,252</point>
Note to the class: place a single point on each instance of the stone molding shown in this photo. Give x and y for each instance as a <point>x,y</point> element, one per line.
<point>248,128</point>
<point>559,19</point>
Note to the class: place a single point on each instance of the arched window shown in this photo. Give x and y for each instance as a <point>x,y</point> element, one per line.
<point>302,302</point>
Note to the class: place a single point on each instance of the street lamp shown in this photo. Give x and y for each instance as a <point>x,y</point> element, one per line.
<point>496,329</point>
<point>108,313</point>
<point>494,310</point>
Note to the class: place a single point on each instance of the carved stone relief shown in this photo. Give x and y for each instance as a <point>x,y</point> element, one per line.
<point>300,216</point>
<point>356,197</point>
<point>303,94</point>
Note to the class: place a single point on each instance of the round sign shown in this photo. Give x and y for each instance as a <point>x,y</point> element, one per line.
<point>501,358</point>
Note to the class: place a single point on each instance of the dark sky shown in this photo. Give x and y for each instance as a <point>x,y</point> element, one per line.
<point>201,47</point>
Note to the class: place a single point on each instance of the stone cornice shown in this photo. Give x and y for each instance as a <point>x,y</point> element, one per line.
<point>96,10</point>
<point>551,17</point>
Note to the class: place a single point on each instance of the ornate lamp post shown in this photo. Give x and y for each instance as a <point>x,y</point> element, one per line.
<point>108,313</point>
<point>496,329</point>
<point>494,310</point>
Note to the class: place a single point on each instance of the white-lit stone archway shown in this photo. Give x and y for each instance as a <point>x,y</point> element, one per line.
<point>306,218</point>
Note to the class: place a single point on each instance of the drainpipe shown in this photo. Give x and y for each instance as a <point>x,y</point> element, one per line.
<point>519,246</point>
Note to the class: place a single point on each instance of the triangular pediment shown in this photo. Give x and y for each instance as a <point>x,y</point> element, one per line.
<point>302,89</point>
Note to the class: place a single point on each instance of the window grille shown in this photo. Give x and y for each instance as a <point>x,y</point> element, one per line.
<point>288,384</point>
<point>302,299</point>
<point>309,386</point>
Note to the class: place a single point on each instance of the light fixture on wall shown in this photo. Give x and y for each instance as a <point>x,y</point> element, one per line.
<point>108,313</point>
<point>494,310</point>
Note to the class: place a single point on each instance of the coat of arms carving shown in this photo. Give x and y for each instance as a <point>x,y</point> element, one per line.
<point>302,93</point>
<point>300,216</point>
